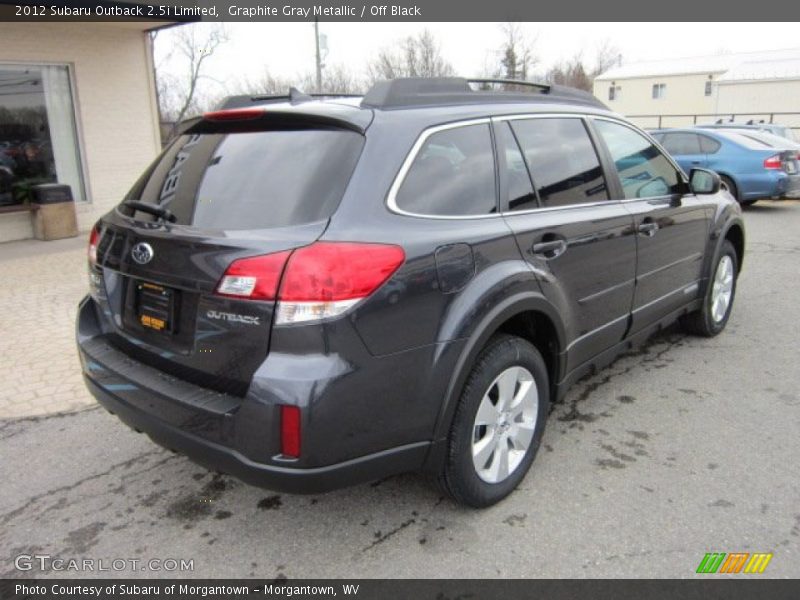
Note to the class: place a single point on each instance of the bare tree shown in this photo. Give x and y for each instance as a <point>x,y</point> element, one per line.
<point>607,55</point>
<point>572,73</point>
<point>417,56</point>
<point>179,93</point>
<point>336,79</point>
<point>575,72</point>
<point>265,85</point>
<point>517,56</point>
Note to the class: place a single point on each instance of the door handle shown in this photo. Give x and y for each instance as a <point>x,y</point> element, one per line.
<point>550,249</point>
<point>696,162</point>
<point>648,228</point>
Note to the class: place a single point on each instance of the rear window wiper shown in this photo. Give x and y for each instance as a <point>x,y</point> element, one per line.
<point>151,209</point>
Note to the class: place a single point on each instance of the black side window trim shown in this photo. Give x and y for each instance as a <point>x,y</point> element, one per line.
<point>502,174</point>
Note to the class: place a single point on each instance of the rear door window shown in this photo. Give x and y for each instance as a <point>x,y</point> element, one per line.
<point>681,143</point>
<point>453,174</point>
<point>252,180</point>
<point>562,160</point>
<point>709,145</point>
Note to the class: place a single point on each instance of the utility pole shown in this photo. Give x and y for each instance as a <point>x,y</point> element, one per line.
<point>319,59</point>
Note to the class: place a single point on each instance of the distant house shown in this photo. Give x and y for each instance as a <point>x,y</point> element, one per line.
<point>77,106</point>
<point>759,83</point>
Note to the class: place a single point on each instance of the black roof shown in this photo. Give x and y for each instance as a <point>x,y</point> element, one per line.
<point>437,91</point>
<point>443,91</point>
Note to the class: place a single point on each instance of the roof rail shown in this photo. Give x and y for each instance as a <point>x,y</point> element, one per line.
<point>294,96</point>
<point>442,91</point>
<point>544,88</point>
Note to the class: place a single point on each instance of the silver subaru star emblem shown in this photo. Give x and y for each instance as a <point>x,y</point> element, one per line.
<point>142,253</point>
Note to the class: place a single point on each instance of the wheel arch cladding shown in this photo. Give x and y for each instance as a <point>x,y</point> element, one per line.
<point>530,317</point>
<point>735,235</point>
<point>537,328</point>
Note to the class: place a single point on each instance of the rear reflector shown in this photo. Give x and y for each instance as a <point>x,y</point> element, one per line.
<point>254,278</point>
<point>234,114</point>
<point>290,431</point>
<point>773,162</point>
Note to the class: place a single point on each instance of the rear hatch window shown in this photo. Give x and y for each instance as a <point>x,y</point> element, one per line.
<point>235,195</point>
<point>250,180</point>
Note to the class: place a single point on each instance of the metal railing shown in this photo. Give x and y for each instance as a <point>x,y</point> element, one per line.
<point>789,119</point>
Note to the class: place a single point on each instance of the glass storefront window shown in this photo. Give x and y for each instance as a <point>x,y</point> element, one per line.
<point>38,142</point>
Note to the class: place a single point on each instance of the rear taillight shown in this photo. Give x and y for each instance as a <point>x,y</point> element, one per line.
<point>94,237</point>
<point>254,278</point>
<point>318,281</point>
<point>290,431</point>
<point>325,279</point>
<point>773,162</point>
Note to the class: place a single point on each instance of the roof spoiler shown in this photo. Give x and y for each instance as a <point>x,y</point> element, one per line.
<point>433,91</point>
<point>258,118</point>
<point>294,96</point>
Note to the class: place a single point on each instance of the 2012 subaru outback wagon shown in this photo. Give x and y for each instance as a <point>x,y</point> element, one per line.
<point>310,292</point>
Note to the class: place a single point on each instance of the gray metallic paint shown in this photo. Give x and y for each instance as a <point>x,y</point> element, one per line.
<point>384,379</point>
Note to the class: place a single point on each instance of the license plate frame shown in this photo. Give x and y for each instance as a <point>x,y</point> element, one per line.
<point>155,307</point>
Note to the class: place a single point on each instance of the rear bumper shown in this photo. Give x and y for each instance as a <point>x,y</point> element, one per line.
<point>284,479</point>
<point>789,187</point>
<point>350,432</point>
<point>770,184</point>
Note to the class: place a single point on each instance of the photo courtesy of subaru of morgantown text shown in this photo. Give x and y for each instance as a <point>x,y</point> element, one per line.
<point>308,292</point>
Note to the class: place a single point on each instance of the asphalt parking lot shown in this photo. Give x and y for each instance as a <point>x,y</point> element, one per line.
<point>685,447</point>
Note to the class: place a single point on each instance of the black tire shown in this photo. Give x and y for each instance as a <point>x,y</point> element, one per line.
<point>701,322</point>
<point>727,183</point>
<point>459,477</point>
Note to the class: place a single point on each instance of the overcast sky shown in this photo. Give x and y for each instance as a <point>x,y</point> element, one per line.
<point>287,49</point>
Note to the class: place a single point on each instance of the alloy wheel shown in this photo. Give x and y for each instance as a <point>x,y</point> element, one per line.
<point>504,424</point>
<point>722,289</point>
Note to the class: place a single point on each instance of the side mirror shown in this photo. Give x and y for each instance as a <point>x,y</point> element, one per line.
<point>703,181</point>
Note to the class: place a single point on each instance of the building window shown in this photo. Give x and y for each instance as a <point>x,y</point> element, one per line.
<point>708,88</point>
<point>614,92</point>
<point>38,141</point>
<point>659,90</point>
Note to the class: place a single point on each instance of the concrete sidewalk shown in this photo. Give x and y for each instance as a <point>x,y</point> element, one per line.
<point>42,283</point>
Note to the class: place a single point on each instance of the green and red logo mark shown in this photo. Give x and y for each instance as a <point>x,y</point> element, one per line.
<point>734,562</point>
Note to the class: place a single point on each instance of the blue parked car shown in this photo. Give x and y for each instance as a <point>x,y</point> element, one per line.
<point>750,168</point>
<point>771,128</point>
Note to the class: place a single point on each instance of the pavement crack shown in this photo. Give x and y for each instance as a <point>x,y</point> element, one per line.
<point>382,537</point>
<point>12,422</point>
<point>33,500</point>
